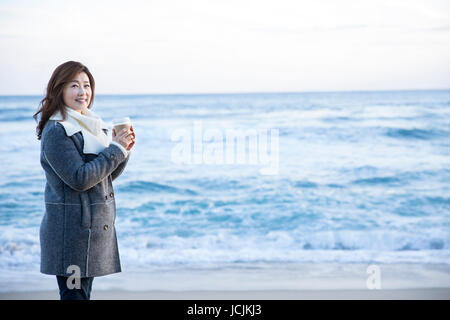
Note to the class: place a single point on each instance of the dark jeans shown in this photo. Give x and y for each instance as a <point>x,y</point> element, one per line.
<point>84,293</point>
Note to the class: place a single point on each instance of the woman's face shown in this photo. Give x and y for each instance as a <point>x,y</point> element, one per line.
<point>77,93</point>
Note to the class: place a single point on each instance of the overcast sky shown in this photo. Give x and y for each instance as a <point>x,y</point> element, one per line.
<point>205,46</point>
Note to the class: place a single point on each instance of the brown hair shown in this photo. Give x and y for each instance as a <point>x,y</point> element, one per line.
<point>53,100</point>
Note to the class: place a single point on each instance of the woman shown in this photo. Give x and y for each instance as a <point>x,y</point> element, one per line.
<point>77,234</point>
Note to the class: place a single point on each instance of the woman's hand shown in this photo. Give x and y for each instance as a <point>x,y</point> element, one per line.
<point>125,138</point>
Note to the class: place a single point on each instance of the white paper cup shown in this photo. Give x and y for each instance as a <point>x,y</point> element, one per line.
<point>120,124</point>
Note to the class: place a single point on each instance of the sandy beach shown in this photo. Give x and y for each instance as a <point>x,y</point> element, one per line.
<point>254,282</point>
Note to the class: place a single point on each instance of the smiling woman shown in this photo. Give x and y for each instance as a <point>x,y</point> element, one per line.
<point>77,94</point>
<point>77,232</point>
<point>64,89</point>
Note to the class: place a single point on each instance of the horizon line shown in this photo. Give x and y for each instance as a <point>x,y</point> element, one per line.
<point>242,92</point>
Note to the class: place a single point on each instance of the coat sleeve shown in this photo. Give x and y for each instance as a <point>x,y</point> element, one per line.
<point>120,168</point>
<point>63,157</point>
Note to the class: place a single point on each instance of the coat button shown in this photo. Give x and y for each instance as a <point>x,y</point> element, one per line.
<point>105,227</point>
<point>111,194</point>
<point>106,197</point>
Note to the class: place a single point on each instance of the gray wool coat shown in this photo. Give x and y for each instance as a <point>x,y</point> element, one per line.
<point>80,210</point>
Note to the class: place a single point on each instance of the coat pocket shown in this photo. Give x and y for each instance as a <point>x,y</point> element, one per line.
<point>85,211</point>
<point>103,214</point>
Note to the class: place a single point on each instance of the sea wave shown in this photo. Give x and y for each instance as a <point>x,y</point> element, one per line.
<point>377,180</point>
<point>188,246</point>
<point>144,186</point>
<point>416,133</point>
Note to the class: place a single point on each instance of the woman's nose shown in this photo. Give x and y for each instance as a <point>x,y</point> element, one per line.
<point>82,91</point>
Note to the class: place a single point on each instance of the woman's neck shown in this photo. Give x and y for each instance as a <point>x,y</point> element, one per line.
<point>77,110</point>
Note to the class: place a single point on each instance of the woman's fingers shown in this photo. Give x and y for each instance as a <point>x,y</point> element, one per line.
<point>123,133</point>
<point>126,138</point>
<point>131,134</point>
<point>130,146</point>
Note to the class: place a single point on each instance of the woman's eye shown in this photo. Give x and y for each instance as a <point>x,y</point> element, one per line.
<point>74,85</point>
<point>87,86</point>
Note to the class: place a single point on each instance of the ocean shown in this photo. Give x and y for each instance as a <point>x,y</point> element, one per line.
<point>341,177</point>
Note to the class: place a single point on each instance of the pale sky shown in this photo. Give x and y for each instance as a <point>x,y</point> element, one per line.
<point>207,46</point>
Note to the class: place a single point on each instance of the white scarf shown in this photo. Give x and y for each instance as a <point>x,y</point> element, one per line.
<point>90,125</point>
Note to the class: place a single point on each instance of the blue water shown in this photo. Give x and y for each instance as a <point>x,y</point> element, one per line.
<point>361,177</point>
